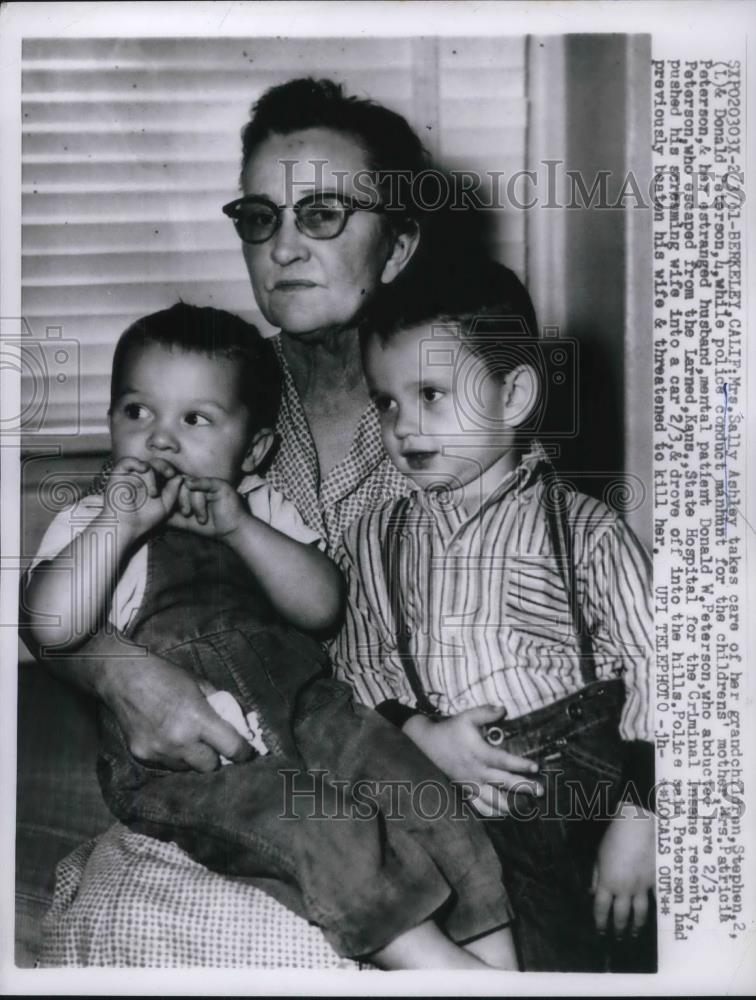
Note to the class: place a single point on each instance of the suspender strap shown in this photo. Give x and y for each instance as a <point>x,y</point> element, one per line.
<point>555,505</point>
<point>390,557</point>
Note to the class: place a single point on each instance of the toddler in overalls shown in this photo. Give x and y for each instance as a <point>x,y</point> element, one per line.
<point>217,573</point>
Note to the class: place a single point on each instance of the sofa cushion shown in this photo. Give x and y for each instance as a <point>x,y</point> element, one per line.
<point>58,802</point>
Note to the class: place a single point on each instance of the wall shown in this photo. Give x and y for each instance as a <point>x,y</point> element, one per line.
<point>589,267</point>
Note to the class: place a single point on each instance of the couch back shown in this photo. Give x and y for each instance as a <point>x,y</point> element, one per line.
<point>58,802</point>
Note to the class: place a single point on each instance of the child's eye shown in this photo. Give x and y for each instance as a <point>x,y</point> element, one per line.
<point>383,403</point>
<point>135,411</point>
<point>196,420</point>
<point>431,395</point>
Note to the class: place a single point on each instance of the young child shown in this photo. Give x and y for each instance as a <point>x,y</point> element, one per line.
<point>211,569</point>
<point>505,604</point>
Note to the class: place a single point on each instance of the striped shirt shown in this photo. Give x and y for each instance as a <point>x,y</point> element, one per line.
<point>486,606</point>
<point>361,481</point>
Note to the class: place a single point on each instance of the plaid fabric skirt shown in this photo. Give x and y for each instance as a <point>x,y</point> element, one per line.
<point>130,901</point>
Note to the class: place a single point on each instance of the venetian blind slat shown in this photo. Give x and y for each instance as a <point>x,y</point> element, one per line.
<point>128,268</point>
<point>218,53</point>
<point>49,239</point>
<point>141,297</point>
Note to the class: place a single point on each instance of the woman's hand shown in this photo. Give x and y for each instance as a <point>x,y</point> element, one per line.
<point>209,507</point>
<point>164,715</point>
<point>458,747</point>
<point>141,495</point>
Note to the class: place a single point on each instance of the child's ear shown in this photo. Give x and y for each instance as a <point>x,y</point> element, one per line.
<point>261,444</point>
<point>522,392</point>
<point>404,246</point>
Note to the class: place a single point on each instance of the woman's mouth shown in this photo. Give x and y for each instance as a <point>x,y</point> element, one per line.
<point>293,285</point>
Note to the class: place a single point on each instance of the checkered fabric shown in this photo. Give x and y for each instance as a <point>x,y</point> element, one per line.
<point>361,481</point>
<point>128,900</point>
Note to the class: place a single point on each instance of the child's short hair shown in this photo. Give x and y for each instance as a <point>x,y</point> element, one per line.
<point>212,333</point>
<point>490,311</point>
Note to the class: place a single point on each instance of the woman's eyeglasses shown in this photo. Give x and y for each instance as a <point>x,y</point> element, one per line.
<point>319,216</point>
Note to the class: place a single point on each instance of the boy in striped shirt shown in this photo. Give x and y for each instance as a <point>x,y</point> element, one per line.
<point>510,619</point>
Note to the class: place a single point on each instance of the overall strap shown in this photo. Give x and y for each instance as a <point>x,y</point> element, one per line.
<point>555,506</point>
<point>390,558</point>
<point>562,543</point>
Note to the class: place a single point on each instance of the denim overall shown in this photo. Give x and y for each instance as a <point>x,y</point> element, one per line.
<point>290,821</point>
<point>548,845</point>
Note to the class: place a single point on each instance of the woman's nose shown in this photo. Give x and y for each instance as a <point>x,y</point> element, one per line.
<point>288,244</point>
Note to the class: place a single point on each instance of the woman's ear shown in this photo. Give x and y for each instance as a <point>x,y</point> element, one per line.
<point>261,444</point>
<point>405,244</point>
<point>522,393</point>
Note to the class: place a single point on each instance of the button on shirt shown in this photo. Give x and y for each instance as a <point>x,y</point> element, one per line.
<point>486,605</point>
<point>361,481</point>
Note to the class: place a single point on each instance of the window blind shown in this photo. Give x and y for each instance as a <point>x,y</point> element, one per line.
<point>130,147</point>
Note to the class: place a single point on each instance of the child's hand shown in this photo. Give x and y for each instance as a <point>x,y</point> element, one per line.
<point>137,497</point>
<point>458,747</point>
<point>209,507</point>
<point>625,870</point>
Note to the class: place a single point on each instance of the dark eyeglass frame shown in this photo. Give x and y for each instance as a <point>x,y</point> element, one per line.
<point>349,205</point>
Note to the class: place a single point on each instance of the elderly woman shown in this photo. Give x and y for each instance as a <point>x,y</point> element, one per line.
<point>320,242</point>
<point>318,251</point>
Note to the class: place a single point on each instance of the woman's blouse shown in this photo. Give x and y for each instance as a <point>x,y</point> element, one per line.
<point>360,482</point>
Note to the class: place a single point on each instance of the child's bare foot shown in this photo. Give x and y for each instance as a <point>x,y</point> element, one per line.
<point>496,949</point>
<point>426,947</point>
